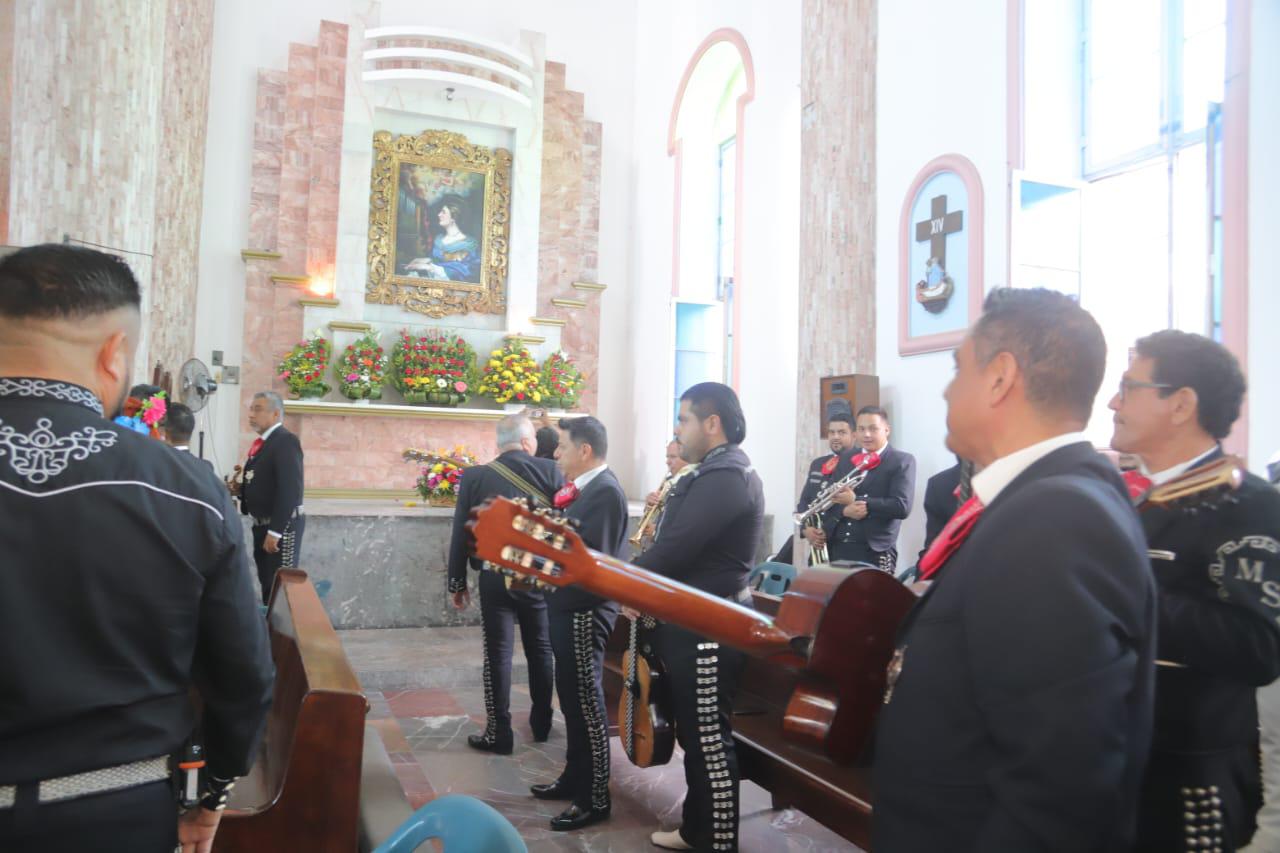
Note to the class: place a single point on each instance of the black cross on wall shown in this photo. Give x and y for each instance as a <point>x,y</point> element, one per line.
<point>936,228</point>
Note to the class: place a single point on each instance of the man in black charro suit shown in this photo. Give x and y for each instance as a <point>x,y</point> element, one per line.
<point>269,486</point>
<point>581,624</point>
<point>516,473</point>
<point>1218,574</point>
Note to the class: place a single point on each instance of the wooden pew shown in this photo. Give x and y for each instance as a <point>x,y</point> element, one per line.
<point>303,792</point>
<point>838,797</point>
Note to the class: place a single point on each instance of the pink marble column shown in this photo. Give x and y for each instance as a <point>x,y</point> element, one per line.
<point>837,181</point>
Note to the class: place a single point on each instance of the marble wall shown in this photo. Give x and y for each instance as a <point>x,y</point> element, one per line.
<point>106,109</point>
<point>838,183</point>
<point>308,202</point>
<point>569,226</point>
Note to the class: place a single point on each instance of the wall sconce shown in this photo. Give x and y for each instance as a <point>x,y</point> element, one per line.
<point>321,285</point>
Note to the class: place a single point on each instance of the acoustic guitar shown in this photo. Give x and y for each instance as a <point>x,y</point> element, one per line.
<point>1200,488</point>
<point>836,626</point>
<point>644,723</point>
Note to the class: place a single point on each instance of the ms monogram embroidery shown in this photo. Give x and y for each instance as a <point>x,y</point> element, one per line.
<point>41,453</point>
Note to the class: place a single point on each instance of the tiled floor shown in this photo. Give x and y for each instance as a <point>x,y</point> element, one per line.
<point>424,727</point>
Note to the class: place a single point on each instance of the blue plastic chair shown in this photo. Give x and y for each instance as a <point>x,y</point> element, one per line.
<point>772,578</point>
<point>464,824</point>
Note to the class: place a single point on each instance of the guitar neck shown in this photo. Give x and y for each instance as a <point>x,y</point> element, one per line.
<point>692,609</point>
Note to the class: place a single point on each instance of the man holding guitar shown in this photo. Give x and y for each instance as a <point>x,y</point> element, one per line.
<point>1217,569</point>
<point>707,539</point>
<point>581,623</point>
<point>1017,711</point>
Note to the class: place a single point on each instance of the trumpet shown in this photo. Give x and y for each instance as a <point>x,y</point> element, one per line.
<point>812,514</point>
<point>651,514</point>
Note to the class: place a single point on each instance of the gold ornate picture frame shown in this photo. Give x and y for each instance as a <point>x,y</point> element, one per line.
<point>439,215</point>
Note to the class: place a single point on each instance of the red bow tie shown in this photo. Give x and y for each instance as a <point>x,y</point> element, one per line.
<point>567,495</point>
<point>867,460</point>
<point>951,537</point>
<point>1139,484</point>
<point>255,447</point>
<point>830,465</point>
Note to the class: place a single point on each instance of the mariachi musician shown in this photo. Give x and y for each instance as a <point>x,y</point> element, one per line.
<point>707,539</point>
<point>1218,575</point>
<point>823,470</point>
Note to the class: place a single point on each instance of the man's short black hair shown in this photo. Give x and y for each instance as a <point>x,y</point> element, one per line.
<point>1058,345</point>
<point>179,423</point>
<point>842,418</point>
<point>587,430</point>
<point>57,280</point>
<point>1184,360</point>
<point>716,398</point>
<point>548,441</point>
<point>874,410</point>
<point>144,390</point>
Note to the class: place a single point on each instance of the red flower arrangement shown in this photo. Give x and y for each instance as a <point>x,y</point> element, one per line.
<point>433,368</point>
<point>303,368</point>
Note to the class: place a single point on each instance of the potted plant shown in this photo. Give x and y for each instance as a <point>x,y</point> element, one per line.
<point>511,375</point>
<point>440,473</point>
<point>362,369</point>
<point>303,368</point>
<point>433,369</point>
<point>562,382</point>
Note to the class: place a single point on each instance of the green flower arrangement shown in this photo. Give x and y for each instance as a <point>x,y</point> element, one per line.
<point>303,368</point>
<point>362,370</point>
<point>433,369</point>
<point>511,375</point>
<point>562,381</point>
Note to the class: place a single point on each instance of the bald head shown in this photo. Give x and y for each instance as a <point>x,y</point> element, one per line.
<point>72,314</point>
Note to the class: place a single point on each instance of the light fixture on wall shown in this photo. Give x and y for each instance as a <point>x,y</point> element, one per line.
<point>321,285</point>
<point>448,93</point>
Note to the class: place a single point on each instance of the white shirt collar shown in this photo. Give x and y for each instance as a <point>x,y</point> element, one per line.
<point>267,432</point>
<point>992,480</point>
<point>1161,477</point>
<point>586,477</point>
<point>185,448</point>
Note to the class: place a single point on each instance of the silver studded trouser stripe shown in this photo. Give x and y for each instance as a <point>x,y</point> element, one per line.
<point>584,627</point>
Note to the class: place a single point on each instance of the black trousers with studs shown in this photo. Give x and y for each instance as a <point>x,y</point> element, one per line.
<point>578,639</point>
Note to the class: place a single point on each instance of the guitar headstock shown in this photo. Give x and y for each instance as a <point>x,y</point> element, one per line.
<point>532,542</point>
<point>1199,488</point>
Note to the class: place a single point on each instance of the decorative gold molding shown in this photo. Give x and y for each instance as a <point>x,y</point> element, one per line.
<point>259,254</point>
<point>362,494</point>
<point>566,302</point>
<point>349,326</point>
<point>587,285</point>
<point>291,279</point>
<point>439,151</point>
<point>390,410</point>
<point>547,321</point>
<point>528,339</point>
<point>318,302</point>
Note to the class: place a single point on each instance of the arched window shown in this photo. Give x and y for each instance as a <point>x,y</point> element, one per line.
<point>705,142</point>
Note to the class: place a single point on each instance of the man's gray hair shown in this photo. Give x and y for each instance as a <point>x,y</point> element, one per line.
<point>513,430</point>
<point>273,400</point>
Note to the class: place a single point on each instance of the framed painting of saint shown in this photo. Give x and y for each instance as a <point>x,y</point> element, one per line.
<point>940,259</point>
<point>438,215</point>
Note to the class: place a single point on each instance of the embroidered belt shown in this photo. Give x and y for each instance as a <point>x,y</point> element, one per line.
<point>101,781</point>
<point>263,521</point>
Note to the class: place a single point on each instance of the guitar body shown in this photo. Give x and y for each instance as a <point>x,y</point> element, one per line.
<point>644,719</point>
<point>853,618</point>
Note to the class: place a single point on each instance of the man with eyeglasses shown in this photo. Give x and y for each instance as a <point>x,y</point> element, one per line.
<point>1218,574</point>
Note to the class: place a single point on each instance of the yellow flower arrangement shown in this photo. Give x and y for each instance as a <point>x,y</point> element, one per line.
<point>511,375</point>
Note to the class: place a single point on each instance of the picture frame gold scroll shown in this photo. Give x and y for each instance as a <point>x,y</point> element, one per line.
<point>439,216</point>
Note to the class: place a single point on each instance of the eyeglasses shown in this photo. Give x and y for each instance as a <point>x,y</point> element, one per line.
<point>1127,385</point>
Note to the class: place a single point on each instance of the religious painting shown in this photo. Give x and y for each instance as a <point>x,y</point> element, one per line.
<point>940,256</point>
<point>438,215</point>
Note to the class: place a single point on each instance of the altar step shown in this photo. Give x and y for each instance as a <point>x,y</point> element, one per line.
<point>404,658</point>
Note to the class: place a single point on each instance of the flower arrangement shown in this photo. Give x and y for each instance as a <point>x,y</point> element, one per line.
<point>562,382</point>
<point>303,368</point>
<point>434,368</point>
<point>511,375</point>
<point>144,416</point>
<point>441,471</point>
<point>362,369</point>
